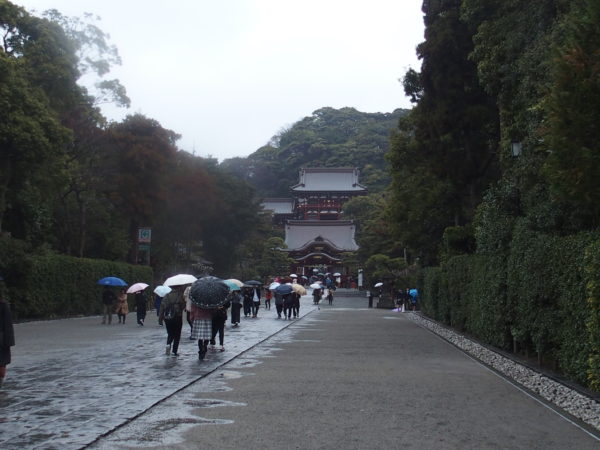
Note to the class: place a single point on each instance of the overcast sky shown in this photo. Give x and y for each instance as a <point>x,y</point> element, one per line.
<point>228,75</point>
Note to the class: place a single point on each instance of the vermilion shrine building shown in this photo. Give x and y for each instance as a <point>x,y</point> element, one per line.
<point>316,233</point>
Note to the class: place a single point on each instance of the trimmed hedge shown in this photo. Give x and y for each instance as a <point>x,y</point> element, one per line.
<point>541,298</point>
<point>52,285</point>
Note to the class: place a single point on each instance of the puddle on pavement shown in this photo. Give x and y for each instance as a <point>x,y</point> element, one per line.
<point>211,403</point>
<point>228,375</point>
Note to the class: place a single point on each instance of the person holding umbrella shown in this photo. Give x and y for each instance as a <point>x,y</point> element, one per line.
<point>140,306</point>
<point>285,290</point>
<point>122,308</point>
<point>288,305</point>
<point>108,298</point>
<point>255,301</point>
<point>235,300</point>
<point>247,302</point>
<point>316,295</point>
<point>207,294</point>
<point>171,312</point>
<point>278,303</point>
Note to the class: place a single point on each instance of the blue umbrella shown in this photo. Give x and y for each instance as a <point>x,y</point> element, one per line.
<point>413,293</point>
<point>232,285</point>
<point>284,289</point>
<point>111,281</point>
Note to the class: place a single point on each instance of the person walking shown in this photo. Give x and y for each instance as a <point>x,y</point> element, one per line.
<point>188,307</point>
<point>236,304</point>
<point>157,302</point>
<point>247,301</point>
<point>370,297</point>
<point>278,304</point>
<point>316,296</point>
<point>171,313</point>
<point>7,336</point>
<point>140,306</point>
<point>268,296</point>
<point>296,304</point>
<point>218,325</point>
<point>330,295</point>
<point>108,299</point>
<point>122,308</point>
<point>201,328</point>
<point>287,306</point>
<point>255,301</point>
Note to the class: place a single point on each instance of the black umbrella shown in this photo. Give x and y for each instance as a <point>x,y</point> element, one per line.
<point>253,283</point>
<point>284,289</point>
<point>209,292</point>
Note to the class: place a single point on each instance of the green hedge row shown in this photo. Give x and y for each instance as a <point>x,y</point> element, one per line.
<point>46,286</point>
<point>542,298</point>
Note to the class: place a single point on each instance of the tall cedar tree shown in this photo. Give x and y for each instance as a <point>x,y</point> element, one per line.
<point>441,172</point>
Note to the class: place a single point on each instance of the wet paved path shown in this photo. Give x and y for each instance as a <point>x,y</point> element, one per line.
<point>340,377</point>
<point>348,377</point>
<point>74,380</point>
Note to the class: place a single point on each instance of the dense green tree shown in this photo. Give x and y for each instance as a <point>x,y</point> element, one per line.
<point>445,154</point>
<point>36,76</point>
<point>572,130</point>
<point>138,152</point>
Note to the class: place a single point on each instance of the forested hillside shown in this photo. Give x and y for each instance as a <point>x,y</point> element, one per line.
<point>328,138</point>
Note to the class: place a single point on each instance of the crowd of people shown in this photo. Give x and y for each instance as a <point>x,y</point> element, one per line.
<point>206,325</point>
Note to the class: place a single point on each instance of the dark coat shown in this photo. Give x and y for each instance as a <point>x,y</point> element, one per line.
<point>108,296</point>
<point>236,304</point>
<point>7,333</point>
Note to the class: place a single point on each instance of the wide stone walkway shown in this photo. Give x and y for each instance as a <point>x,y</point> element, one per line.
<point>342,376</point>
<point>73,380</point>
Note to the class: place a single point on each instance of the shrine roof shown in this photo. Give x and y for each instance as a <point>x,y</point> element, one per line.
<point>338,234</point>
<point>278,205</point>
<point>341,179</point>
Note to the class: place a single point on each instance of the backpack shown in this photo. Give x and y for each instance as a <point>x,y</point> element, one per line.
<point>169,312</point>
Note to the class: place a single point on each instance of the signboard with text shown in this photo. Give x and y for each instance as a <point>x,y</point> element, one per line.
<point>144,235</point>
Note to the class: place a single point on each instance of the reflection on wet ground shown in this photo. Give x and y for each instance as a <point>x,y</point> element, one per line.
<point>74,380</point>
<point>166,423</point>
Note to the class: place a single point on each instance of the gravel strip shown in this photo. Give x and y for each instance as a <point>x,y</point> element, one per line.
<point>575,403</point>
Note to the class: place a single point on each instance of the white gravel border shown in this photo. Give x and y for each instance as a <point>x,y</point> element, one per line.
<point>578,405</point>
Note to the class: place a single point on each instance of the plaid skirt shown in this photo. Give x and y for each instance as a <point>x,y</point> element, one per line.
<point>202,329</point>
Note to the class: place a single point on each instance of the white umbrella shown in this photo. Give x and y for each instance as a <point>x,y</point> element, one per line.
<point>293,275</point>
<point>137,287</point>
<point>180,279</point>
<point>337,274</point>
<point>379,284</point>
<point>274,286</point>
<point>161,291</point>
<point>315,286</point>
